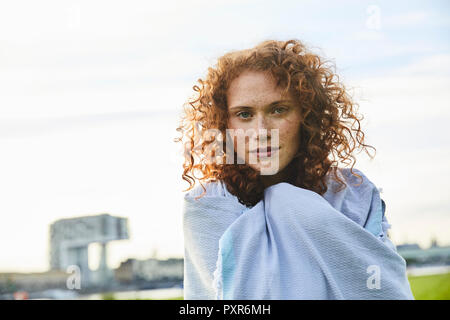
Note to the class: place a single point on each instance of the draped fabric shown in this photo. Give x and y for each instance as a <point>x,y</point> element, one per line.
<point>293,244</point>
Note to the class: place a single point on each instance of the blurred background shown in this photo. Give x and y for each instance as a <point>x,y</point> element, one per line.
<point>90,97</point>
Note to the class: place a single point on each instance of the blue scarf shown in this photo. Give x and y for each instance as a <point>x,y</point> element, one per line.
<point>293,244</point>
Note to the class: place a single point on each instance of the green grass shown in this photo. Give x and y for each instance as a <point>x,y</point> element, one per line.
<point>108,296</point>
<point>433,287</point>
<point>173,298</point>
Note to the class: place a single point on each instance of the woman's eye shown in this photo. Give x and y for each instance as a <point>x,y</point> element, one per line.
<point>280,110</point>
<point>243,113</point>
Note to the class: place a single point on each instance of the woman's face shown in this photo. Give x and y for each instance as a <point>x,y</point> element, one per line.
<point>255,102</point>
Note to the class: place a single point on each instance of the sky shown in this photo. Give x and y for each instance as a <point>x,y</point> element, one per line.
<point>91,94</point>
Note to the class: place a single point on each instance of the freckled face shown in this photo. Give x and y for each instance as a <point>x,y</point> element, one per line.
<point>255,102</point>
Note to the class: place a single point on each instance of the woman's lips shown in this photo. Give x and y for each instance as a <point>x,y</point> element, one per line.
<point>265,152</point>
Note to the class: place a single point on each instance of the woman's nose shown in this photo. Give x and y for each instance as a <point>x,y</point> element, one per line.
<point>262,128</point>
<point>261,122</point>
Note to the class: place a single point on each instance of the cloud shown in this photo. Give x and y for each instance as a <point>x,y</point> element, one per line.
<point>414,93</point>
<point>19,128</point>
<point>406,19</point>
<point>437,65</point>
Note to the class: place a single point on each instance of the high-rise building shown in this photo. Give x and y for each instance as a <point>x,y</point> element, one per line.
<point>70,238</point>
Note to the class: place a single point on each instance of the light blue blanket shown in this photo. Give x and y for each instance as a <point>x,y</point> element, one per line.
<point>293,244</point>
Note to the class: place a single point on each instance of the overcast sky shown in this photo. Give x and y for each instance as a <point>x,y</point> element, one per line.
<point>90,94</point>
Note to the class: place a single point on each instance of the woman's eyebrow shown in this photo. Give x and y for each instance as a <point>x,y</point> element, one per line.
<point>270,105</point>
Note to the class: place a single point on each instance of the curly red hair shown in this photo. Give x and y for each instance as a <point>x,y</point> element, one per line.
<point>326,108</point>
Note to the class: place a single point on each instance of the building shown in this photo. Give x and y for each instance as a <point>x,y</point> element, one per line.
<point>133,270</point>
<point>70,238</point>
<point>415,255</point>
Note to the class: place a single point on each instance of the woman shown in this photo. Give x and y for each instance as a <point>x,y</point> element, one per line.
<point>264,132</point>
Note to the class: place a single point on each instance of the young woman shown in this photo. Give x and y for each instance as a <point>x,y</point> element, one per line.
<point>274,216</point>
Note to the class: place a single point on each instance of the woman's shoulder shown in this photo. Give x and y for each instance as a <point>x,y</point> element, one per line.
<point>358,199</point>
<point>352,177</point>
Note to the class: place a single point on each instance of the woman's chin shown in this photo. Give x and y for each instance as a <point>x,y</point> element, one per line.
<point>265,168</point>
